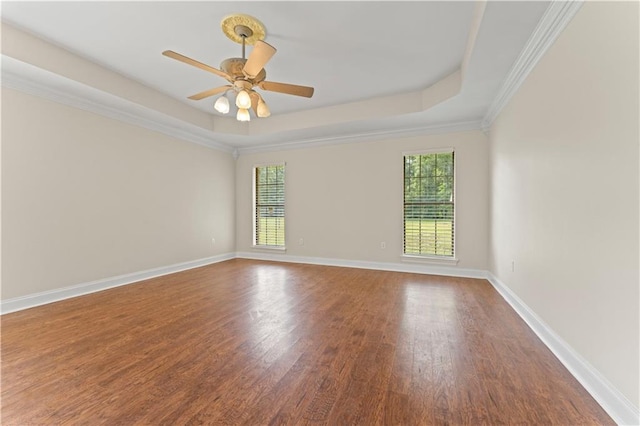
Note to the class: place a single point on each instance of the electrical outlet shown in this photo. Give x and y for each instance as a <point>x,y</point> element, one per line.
<point>383,245</point>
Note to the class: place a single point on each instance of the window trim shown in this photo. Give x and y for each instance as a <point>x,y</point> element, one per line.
<point>254,207</point>
<point>430,258</point>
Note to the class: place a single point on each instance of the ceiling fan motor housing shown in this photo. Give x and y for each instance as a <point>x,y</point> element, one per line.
<point>234,66</point>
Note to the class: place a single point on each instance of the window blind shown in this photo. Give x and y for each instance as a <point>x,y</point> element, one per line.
<point>429,209</point>
<point>269,205</point>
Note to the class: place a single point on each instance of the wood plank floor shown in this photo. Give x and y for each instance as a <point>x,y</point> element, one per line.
<point>248,342</point>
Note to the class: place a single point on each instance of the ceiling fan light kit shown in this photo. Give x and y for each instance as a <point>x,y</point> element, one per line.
<point>222,104</point>
<point>243,74</point>
<point>243,100</point>
<point>263,110</point>
<point>243,115</point>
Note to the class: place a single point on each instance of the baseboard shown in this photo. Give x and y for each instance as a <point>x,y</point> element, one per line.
<point>610,399</point>
<point>431,269</point>
<point>37,299</point>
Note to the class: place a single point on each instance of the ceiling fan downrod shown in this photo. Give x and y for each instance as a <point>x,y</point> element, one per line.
<point>243,32</point>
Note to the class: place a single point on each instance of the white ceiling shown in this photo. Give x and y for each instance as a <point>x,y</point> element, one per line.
<point>348,51</point>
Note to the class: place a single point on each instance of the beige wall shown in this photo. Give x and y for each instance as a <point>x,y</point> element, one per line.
<point>344,200</point>
<point>86,197</point>
<point>33,50</point>
<point>564,201</point>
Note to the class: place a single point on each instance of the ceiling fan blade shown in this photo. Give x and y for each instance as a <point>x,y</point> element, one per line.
<point>258,58</point>
<point>289,89</point>
<point>187,60</point>
<point>210,92</point>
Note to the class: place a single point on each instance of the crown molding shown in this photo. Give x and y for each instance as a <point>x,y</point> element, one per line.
<point>29,79</point>
<point>18,75</point>
<point>432,129</point>
<point>35,81</point>
<point>551,25</point>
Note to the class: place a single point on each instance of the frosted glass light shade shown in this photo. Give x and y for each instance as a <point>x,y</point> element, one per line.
<point>222,105</point>
<point>263,109</point>
<point>243,115</point>
<point>243,100</point>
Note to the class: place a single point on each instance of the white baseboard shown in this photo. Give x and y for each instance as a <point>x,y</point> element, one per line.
<point>621,410</point>
<point>610,399</point>
<point>418,268</point>
<point>37,299</point>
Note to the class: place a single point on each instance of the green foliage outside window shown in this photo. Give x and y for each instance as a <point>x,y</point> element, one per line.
<point>429,204</point>
<point>269,213</point>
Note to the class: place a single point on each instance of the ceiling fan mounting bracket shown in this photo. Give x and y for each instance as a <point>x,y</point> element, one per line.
<point>239,26</point>
<point>243,31</point>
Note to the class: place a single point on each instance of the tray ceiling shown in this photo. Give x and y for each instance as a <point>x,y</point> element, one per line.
<point>349,51</point>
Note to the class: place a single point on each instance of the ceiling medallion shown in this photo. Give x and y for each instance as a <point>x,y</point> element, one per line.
<point>252,30</point>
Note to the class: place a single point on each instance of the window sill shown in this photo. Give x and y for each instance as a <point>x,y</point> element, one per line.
<point>269,248</point>
<point>452,261</point>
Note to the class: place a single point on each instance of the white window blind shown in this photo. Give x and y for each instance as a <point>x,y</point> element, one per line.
<point>269,205</point>
<point>429,227</point>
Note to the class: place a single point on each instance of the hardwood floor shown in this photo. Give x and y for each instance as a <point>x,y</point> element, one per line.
<point>248,342</point>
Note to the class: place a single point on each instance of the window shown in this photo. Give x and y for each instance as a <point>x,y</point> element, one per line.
<point>429,204</point>
<point>268,224</point>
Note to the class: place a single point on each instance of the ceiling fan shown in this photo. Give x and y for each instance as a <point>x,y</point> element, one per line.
<point>243,74</point>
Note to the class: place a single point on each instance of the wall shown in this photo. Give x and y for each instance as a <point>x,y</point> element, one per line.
<point>564,201</point>
<point>86,197</point>
<point>344,200</point>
